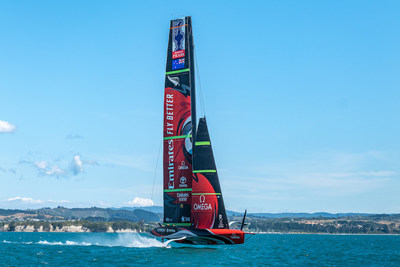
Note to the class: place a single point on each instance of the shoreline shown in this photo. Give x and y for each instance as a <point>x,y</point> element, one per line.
<point>65,229</point>
<point>82,229</point>
<point>304,233</point>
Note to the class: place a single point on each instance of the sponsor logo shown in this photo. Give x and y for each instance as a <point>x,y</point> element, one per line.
<point>169,113</point>
<point>202,205</point>
<point>169,230</point>
<point>168,219</point>
<point>171,171</point>
<point>234,236</point>
<point>178,33</point>
<point>183,88</point>
<point>183,182</point>
<point>183,166</point>
<point>220,223</point>
<point>178,64</point>
<point>178,54</point>
<point>185,219</point>
<point>182,197</point>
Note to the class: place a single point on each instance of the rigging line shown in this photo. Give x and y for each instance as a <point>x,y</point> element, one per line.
<point>201,89</point>
<point>155,171</point>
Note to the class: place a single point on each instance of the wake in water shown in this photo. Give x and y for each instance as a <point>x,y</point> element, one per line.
<point>127,240</point>
<point>66,243</point>
<point>120,240</point>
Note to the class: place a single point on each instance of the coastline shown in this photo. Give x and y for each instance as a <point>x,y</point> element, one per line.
<point>64,229</point>
<point>82,229</point>
<point>305,233</point>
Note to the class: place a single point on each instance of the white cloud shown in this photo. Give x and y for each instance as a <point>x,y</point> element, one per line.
<point>76,165</point>
<point>41,164</point>
<point>46,169</point>
<point>55,170</point>
<point>61,169</point>
<point>25,200</point>
<point>6,127</point>
<point>141,202</point>
<point>30,203</point>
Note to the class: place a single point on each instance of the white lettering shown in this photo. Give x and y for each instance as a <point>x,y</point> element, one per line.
<point>171,164</point>
<point>202,206</point>
<point>169,113</point>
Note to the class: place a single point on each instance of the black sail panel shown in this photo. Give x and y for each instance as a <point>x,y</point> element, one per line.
<point>208,209</point>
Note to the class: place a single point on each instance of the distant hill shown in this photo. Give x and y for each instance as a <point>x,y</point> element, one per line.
<point>352,215</point>
<point>155,214</point>
<point>4,212</point>
<point>307,215</point>
<point>155,209</point>
<point>91,214</point>
<point>99,219</point>
<point>317,215</point>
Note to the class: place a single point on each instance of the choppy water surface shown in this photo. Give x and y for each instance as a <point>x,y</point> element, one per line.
<point>66,249</point>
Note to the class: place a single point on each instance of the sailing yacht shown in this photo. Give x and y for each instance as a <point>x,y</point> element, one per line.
<point>194,210</point>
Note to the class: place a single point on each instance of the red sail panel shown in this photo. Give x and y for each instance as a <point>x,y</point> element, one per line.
<point>204,203</point>
<point>177,128</point>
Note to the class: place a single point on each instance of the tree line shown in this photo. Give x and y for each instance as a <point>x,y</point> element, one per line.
<point>92,226</point>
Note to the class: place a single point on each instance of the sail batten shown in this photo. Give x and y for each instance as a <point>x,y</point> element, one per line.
<point>176,71</point>
<point>177,137</point>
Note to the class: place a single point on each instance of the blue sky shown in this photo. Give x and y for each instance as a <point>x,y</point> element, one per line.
<point>302,100</point>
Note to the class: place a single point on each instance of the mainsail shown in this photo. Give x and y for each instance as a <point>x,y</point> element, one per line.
<point>178,116</point>
<point>192,193</point>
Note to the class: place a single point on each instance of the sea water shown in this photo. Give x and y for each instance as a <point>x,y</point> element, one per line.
<point>98,249</point>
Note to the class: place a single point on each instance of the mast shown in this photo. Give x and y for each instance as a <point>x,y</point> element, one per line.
<point>192,80</point>
<point>178,129</point>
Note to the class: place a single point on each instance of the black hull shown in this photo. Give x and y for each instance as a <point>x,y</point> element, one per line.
<point>196,236</point>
